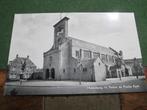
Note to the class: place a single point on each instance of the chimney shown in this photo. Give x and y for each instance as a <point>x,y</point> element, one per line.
<point>28,57</point>
<point>17,56</point>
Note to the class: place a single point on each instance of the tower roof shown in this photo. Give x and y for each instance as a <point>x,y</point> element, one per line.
<point>63,19</point>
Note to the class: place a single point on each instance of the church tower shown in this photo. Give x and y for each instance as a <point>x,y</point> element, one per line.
<point>60,31</point>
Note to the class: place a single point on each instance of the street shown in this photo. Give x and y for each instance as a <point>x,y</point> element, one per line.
<point>39,87</point>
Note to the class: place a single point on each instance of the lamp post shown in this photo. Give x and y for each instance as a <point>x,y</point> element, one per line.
<point>80,68</point>
<point>21,75</point>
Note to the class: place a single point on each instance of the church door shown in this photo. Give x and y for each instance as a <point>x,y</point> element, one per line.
<point>47,73</point>
<point>53,73</point>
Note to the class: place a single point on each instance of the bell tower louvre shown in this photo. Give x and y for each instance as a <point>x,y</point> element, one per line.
<point>60,31</point>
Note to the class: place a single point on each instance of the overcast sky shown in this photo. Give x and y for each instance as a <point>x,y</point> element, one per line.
<point>33,34</point>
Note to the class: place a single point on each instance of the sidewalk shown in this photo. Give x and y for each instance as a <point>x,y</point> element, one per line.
<point>43,83</point>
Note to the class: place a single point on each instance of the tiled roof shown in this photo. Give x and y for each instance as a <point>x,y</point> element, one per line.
<point>21,60</point>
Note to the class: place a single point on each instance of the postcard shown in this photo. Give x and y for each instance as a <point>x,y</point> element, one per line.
<point>74,53</point>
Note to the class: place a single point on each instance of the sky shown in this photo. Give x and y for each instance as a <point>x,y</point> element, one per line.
<point>33,33</point>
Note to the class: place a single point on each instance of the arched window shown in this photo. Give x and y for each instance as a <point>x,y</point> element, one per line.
<point>84,69</point>
<point>77,54</point>
<point>53,73</point>
<point>47,73</point>
<point>87,54</point>
<point>50,60</point>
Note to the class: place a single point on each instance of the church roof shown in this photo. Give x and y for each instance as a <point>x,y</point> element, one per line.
<point>87,63</point>
<point>65,18</point>
<point>90,45</point>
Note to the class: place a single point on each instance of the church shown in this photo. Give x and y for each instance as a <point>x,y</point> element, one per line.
<point>77,60</point>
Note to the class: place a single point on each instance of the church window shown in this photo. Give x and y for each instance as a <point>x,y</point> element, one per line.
<point>50,60</point>
<point>77,54</point>
<point>84,69</point>
<point>103,57</point>
<point>95,54</point>
<point>87,54</point>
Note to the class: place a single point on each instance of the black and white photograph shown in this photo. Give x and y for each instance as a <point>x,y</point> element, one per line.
<point>74,53</point>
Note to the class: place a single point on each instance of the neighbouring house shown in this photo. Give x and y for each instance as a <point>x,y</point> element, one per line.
<point>20,67</point>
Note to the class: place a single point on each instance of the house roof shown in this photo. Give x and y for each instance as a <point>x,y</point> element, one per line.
<point>21,60</point>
